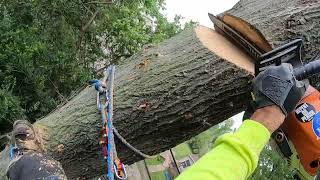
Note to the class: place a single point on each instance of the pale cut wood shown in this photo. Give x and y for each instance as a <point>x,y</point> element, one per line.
<point>222,47</point>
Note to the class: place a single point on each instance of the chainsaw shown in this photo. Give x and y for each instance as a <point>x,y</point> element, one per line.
<point>298,139</point>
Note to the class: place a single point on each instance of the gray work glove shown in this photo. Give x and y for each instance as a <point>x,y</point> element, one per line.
<point>278,86</point>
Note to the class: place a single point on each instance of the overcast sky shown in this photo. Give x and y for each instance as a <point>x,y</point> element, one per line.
<point>197,10</point>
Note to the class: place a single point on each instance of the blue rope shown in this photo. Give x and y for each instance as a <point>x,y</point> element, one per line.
<point>166,174</point>
<point>110,125</point>
<point>108,93</point>
<point>12,149</point>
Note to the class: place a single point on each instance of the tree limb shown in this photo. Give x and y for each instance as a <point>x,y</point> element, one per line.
<point>99,2</point>
<point>85,27</point>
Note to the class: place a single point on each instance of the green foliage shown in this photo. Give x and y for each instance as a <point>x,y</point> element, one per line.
<point>128,26</point>
<point>48,48</point>
<point>190,24</point>
<point>10,109</point>
<point>203,142</point>
<point>158,175</point>
<point>38,55</point>
<point>182,150</point>
<point>272,166</point>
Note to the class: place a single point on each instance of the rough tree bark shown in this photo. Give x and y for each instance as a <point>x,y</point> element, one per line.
<point>168,93</point>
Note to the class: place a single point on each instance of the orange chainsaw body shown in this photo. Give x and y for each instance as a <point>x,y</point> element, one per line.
<point>302,128</point>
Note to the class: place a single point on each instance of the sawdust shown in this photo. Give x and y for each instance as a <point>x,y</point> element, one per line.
<point>60,148</point>
<point>41,136</point>
<point>52,164</point>
<point>48,162</point>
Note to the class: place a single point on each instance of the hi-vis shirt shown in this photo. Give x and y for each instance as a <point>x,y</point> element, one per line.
<point>234,156</point>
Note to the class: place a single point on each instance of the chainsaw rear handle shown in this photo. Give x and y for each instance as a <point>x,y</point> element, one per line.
<point>307,70</point>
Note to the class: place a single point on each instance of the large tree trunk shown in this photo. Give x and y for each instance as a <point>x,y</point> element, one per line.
<point>168,93</point>
<point>163,96</point>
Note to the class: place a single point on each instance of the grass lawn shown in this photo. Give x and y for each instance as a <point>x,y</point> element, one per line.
<point>155,161</point>
<point>158,175</point>
<point>182,150</point>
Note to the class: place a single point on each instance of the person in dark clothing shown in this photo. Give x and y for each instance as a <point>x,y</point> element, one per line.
<point>28,160</point>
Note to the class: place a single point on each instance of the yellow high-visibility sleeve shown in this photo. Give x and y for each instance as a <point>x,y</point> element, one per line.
<point>234,156</point>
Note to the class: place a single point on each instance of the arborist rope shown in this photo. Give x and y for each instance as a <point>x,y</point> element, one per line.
<point>114,165</point>
<point>130,146</point>
<point>99,88</point>
<point>107,140</point>
<point>111,147</point>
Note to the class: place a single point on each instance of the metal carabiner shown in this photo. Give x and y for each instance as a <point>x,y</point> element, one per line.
<point>98,99</point>
<point>116,171</point>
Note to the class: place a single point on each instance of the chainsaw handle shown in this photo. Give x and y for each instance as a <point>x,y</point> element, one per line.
<point>307,70</point>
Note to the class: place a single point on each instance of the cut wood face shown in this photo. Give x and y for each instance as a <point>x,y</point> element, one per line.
<point>222,47</point>
<point>248,31</point>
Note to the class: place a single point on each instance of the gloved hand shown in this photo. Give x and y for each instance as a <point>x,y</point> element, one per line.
<point>278,86</point>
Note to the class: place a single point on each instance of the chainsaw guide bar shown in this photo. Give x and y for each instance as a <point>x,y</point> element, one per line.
<point>242,33</point>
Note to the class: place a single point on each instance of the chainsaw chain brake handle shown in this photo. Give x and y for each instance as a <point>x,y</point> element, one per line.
<point>288,53</point>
